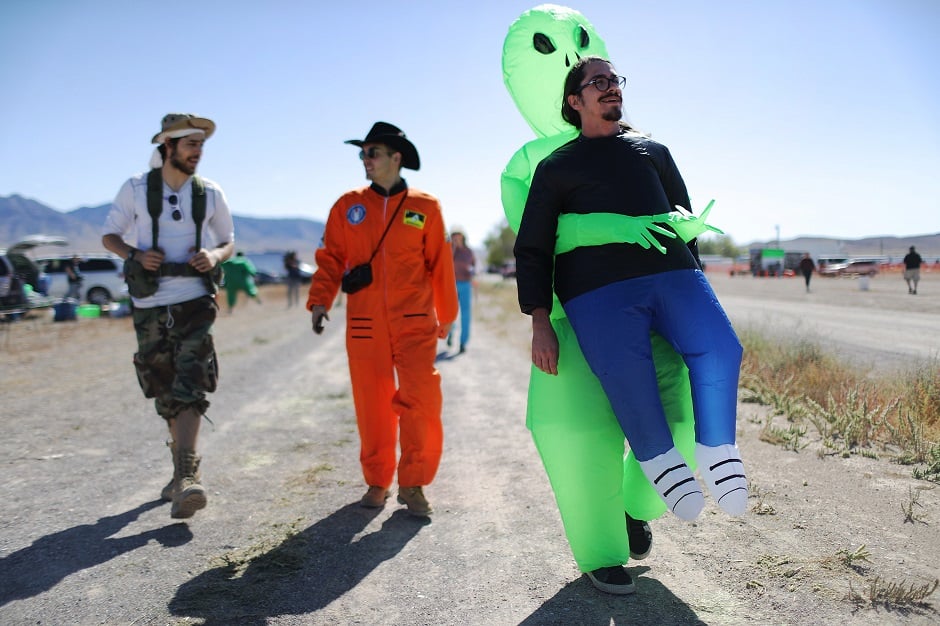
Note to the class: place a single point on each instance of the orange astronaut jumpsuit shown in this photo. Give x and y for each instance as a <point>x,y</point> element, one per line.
<point>391,325</point>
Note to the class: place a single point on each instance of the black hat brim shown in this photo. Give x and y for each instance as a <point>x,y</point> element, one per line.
<point>409,154</point>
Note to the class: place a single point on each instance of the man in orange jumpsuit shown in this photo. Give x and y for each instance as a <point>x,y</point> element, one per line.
<point>395,314</point>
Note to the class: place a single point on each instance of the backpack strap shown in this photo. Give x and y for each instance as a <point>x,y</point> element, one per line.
<point>155,201</point>
<point>155,204</point>
<point>199,208</point>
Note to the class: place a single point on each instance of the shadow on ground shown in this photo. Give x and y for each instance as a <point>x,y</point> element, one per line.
<point>37,568</point>
<point>579,603</point>
<point>305,573</point>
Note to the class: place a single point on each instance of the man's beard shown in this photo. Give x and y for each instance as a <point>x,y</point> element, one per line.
<point>183,167</point>
<point>613,115</point>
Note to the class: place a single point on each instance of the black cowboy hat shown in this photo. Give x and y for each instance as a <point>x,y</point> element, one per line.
<point>394,138</point>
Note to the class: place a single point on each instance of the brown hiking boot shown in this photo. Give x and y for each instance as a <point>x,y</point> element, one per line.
<point>413,498</point>
<point>166,494</point>
<point>375,497</point>
<point>190,496</point>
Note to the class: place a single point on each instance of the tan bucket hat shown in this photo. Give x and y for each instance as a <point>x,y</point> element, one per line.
<point>173,123</point>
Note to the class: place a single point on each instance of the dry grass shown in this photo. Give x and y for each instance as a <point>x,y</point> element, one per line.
<point>853,411</point>
<point>894,593</point>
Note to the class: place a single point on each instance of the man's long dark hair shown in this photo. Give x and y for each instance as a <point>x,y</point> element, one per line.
<point>572,83</point>
<point>162,147</point>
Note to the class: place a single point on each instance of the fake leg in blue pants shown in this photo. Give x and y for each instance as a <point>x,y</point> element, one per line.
<point>612,325</point>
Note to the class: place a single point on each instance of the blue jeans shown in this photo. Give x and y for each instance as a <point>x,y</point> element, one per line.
<point>465,298</point>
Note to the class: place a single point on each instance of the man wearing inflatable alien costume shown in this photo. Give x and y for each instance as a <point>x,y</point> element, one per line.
<point>573,426</point>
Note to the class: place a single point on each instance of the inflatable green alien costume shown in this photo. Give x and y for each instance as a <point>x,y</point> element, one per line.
<point>573,426</point>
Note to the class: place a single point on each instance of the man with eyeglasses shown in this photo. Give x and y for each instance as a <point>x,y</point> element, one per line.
<point>386,246</point>
<point>615,291</point>
<point>174,303</point>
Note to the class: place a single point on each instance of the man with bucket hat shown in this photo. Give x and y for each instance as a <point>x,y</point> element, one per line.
<point>386,246</point>
<point>174,229</point>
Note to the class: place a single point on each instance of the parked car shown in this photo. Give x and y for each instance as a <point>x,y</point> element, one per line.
<point>102,276</point>
<point>264,277</point>
<point>17,269</point>
<point>741,266</point>
<point>509,269</point>
<point>858,267</point>
<point>11,285</point>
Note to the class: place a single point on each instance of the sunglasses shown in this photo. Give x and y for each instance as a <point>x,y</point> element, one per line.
<point>177,215</point>
<point>372,153</point>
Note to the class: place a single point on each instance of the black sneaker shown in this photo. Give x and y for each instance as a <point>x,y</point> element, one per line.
<point>614,580</point>
<point>641,538</point>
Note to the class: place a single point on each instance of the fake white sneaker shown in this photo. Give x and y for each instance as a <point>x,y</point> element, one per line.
<point>723,472</point>
<point>675,484</point>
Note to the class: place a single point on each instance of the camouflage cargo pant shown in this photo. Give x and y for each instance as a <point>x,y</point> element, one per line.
<point>175,361</point>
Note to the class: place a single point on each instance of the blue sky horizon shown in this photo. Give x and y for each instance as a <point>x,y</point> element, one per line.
<point>799,118</point>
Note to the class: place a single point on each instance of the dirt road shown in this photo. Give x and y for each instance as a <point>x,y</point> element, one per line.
<point>84,540</point>
<point>882,326</point>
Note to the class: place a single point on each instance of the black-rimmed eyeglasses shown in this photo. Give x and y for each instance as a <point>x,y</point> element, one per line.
<point>174,201</point>
<point>370,153</point>
<point>603,83</point>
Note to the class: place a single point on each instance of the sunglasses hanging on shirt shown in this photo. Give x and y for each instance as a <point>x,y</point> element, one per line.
<point>177,215</point>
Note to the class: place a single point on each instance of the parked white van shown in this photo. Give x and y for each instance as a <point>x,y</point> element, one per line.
<point>102,276</point>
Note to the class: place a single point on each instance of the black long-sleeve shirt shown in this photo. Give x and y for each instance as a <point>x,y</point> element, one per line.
<point>628,174</point>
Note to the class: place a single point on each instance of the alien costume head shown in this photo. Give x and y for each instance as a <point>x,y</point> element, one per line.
<point>540,48</point>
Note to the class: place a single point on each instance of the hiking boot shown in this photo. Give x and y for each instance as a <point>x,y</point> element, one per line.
<point>613,580</point>
<point>375,498</point>
<point>413,498</point>
<point>641,538</point>
<point>166,494</point>
<point>190,496</point>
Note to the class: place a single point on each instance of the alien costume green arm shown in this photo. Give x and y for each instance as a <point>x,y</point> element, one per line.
<point>573,426</point>
<point>597,229</point>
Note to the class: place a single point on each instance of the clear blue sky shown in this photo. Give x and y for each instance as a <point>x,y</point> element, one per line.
<point>820,117</point>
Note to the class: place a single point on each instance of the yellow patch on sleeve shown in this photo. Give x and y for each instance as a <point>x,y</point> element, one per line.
<point>413,218</point>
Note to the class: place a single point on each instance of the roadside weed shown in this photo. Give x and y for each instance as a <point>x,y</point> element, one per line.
<point>910,514</point>
<point>899,594</point>
<point>852,410</point>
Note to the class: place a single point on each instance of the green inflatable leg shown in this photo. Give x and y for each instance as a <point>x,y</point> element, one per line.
<point>582,449</point>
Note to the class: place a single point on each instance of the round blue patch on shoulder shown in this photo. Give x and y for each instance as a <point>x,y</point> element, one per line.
<point>355,214</point>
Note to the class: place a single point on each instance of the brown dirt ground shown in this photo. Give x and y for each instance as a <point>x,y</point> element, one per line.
<point>84,541</point>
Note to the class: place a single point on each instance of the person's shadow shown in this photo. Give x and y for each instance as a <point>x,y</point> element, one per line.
<point>444,355</point>
<point>304,573</point>
<point>40,566</point>
<point>579,602</point>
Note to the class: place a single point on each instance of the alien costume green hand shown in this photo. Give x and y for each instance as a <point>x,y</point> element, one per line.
<point>597,229</point>
<point>689,226</point>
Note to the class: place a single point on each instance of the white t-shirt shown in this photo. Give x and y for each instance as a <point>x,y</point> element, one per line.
<point>130,219</point>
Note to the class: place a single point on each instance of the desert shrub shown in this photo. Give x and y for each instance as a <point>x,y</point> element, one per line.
<point>852,408</point>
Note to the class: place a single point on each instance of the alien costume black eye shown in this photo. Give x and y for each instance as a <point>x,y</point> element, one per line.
<point>542,43</point>
<point>584,37</point>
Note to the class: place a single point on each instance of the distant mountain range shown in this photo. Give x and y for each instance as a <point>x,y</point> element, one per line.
<point>21,216</point>
<point>884,246</point>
